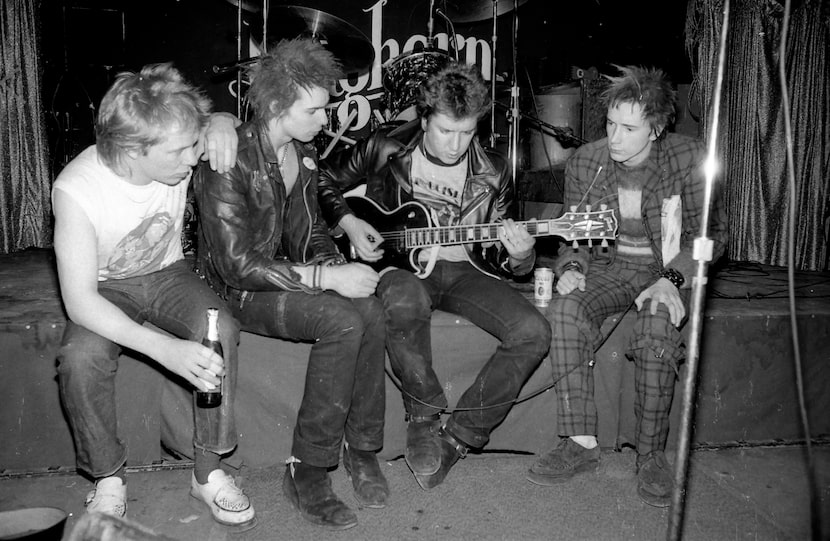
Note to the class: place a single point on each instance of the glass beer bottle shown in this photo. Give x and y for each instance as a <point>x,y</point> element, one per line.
<point>213,397</point>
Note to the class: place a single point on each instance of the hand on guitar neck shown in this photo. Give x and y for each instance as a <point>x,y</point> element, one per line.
<point>516,239</point>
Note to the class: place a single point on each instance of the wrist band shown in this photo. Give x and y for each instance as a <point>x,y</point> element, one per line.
<point>315,276</point>
<point>572,265</point>
<point>673,276</point>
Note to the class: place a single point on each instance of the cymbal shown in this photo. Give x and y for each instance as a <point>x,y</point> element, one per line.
<point>467,11</point>
<point>348,44</point>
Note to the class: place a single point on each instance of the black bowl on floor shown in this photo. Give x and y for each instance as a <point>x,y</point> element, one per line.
<point>33,524</point>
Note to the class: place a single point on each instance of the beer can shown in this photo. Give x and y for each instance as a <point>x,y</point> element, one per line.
<point>543,286</point>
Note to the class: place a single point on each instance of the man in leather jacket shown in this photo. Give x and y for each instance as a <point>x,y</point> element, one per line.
<point>265,248</point>
<point>437,161</point>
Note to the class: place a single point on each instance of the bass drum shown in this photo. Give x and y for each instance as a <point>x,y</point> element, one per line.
<point>404,76</point>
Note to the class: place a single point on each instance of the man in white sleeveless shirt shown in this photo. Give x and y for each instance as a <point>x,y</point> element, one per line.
<point>119,208</point>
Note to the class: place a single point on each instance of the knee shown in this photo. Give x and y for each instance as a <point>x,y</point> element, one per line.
<point>85,356</point>
<point>405,298</point>
<point>566,308</point>
<point>343,318</point>
<point>533,331</point>
<point>655,329</point>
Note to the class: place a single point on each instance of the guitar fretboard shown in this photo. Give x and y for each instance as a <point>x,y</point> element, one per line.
<point>462,234</point>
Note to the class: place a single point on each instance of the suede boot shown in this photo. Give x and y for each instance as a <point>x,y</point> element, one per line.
<point>308,488</point>
<point>655,482</point>
<point>370,486</point>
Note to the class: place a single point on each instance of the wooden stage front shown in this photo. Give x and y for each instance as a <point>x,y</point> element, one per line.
<point>746,390</point>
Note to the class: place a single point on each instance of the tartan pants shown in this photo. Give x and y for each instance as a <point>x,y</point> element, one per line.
<point>655,346</point>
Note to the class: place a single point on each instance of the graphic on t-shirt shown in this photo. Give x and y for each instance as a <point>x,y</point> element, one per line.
<point>444,200</point>
<point>438,187</point>
<point>144,248</point>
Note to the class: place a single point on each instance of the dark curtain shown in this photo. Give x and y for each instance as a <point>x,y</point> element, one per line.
<point>751,136</point>
<point>25,210</point>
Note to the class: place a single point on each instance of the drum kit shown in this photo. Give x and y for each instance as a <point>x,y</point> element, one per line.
<point>402,75</point>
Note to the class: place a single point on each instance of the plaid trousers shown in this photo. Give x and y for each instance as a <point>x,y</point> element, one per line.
<point>655,346</point>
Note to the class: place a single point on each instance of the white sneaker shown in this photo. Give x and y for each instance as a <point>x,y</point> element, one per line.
<point>109,497</point>
<point>227,503</point>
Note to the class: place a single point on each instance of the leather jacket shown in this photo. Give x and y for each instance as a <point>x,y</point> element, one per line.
<point>250,232</point>
<point>382,161</point>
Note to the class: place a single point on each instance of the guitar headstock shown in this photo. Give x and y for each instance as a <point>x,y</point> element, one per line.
<point>589,224</point>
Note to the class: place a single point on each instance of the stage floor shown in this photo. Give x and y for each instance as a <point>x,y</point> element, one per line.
<point>758,494</point>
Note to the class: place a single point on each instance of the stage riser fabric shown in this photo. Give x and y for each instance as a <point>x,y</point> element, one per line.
<point>746,393</point>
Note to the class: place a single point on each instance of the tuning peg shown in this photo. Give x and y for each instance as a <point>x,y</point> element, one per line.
<point>604,244</point>
<point>603,207</point>
<point>573,208</point>
<point>575,246</point>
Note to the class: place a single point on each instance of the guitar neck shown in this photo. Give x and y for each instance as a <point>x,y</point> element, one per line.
<point>463,234</point>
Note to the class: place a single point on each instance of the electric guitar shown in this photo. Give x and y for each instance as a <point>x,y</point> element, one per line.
<point>409,228</point>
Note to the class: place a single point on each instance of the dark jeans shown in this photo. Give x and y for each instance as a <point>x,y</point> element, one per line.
<point>490,304</point>
<point>344,385</point>
<point>174,299</point>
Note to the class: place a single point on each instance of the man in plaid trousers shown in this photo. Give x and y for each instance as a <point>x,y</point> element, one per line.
<point>654,181</point>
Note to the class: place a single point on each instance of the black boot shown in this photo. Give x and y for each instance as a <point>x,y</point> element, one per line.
<point>423,451</point>
<point>370,486</point>
<point>451,450</point>
<point>308,488</point>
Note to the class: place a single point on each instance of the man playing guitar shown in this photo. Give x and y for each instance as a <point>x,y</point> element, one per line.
<point>437,161</point>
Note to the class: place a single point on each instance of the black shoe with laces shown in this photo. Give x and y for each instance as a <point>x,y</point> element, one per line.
<point>563,462</point>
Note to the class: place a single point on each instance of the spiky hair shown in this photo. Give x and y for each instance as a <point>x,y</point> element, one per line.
<point>650,88</point>
<point>458,91</point>
<point>289,66</point>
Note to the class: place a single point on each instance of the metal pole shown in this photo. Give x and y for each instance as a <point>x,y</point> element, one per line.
<point>239,59</point>
<point>493,76</point>
<point>513,147</point>
<point>703,255</point>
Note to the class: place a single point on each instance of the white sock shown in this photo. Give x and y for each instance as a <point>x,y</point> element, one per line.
<point>588,442</point>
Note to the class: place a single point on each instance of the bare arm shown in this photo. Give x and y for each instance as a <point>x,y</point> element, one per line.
<point>77,257</point>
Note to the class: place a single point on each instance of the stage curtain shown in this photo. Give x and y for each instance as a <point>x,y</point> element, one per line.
<point>25,209</point>
<point>752,144</point>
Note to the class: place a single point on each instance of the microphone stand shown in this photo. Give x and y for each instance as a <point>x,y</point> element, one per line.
<point>703,247</point>
<point>513,145</point>
<point>514,113</point>
<point>493,74</point>
<point>430,24</point>
<point>238,59</point>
